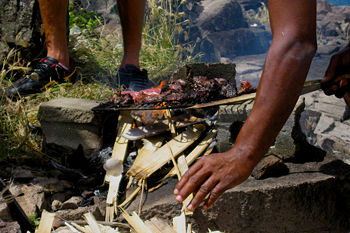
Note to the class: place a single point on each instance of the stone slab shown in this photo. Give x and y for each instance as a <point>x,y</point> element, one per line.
<point>312,198</point>
<point>69,123</point>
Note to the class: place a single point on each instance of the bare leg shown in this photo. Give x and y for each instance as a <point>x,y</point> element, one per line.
<point>131,14</point>
<point>54,15</point>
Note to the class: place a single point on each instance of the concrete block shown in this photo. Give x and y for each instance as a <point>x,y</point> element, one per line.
<point>68,123</point>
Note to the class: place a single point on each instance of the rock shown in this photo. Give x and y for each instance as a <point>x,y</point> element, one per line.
<point>16,189</point>
<point>75,214</point>
<point>98,213</point>
<point>5,214</point>
<point>60,196</point>
<point>210,70</point>
<point>218,16</point>
<point>252,4</point>
<point>75,31</point>
<point>241,41</point>
<point>33,199</point>
<point>270,166</point>
<point>284,145</point>
<point>56,205</point>
<point>100,204</point>
<point>332,21</point>
<point>72,203</point>
<point>69,123</point>
<point>313,198</point>
<point>50,184</point>
<point>20,27</point>
<point>323,126</point>
<point>230,121</point>
<point>20,173</point>
<point>9,227</point>
<point>106,9</point>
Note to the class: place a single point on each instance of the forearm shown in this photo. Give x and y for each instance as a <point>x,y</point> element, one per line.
<point>284,73</point>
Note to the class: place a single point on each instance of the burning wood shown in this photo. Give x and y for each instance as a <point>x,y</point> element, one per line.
<point>152,162</point>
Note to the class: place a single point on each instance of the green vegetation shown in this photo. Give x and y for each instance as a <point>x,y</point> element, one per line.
<point>98,52</point>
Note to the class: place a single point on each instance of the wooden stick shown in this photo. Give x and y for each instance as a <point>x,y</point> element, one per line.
<point>80,228</point>
<point>233,100</point>
<point>119,152</point>
<point>196,152</point>
<point>129,198</point>
<point>90,219</point>
<point>152,162</point>
<point>112,224</point>
<point>46,222</point>
<point>159,226</point>
<point>135,221</point>
<point>141,197</point>
<point>177,170</point>
<point>183,167</point>
<point>179,223</point>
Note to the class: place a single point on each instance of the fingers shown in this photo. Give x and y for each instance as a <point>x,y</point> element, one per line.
<point>186,176</point>
<point>331,70</point>
<point>214,195</point>
<point>202,192</point>
<point>194,180</point>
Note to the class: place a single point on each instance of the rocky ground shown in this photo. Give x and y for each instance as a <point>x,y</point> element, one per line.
<point>310,196</point>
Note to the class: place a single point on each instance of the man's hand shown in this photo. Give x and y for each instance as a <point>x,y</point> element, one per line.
<point>213,174</point>
<point>338,66</point>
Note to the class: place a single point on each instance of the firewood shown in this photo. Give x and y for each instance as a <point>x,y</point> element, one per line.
<point>233,100</point>
<point>183,167</point>
<point>179,223</point>
<point>159,226</point>
<point>118,153</point>
<point>129,198</point>
<point>90,219</point>
<point>135,222</point>
<point>152,162</point>
<point>196,152</point>
<point>46,222</point>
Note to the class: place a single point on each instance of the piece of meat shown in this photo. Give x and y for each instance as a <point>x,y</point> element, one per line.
<point>179,92</point>
<point>246,87</point>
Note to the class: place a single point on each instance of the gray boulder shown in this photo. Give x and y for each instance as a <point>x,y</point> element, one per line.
<point>221,15</point>
<point>20,27</point>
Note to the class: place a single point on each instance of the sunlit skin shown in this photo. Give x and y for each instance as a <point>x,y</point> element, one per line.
<point>131,12</point>
<point>293,24</point>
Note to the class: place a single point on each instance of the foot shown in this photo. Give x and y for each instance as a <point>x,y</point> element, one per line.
<point>47,73</point>
<point>133,78</point>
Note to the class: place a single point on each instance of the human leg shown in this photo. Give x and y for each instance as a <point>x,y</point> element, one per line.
<point>132,13</point>
<point>56,67</point>
<point>53,14</point>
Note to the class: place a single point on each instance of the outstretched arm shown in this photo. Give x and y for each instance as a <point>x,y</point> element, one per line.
<point>293,24</point>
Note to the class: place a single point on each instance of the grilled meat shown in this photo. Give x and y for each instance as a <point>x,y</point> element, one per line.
<point>180,92</point>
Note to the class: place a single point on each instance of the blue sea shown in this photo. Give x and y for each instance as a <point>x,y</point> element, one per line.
<point>340,2</point>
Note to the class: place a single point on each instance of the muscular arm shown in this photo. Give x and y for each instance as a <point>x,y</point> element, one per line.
<point>293,24</point>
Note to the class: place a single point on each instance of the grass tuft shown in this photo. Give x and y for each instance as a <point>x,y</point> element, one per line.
<point>98,51</point>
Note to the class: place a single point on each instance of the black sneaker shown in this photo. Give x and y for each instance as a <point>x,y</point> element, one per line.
<point>47,73</point>
<point>133,78</point>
